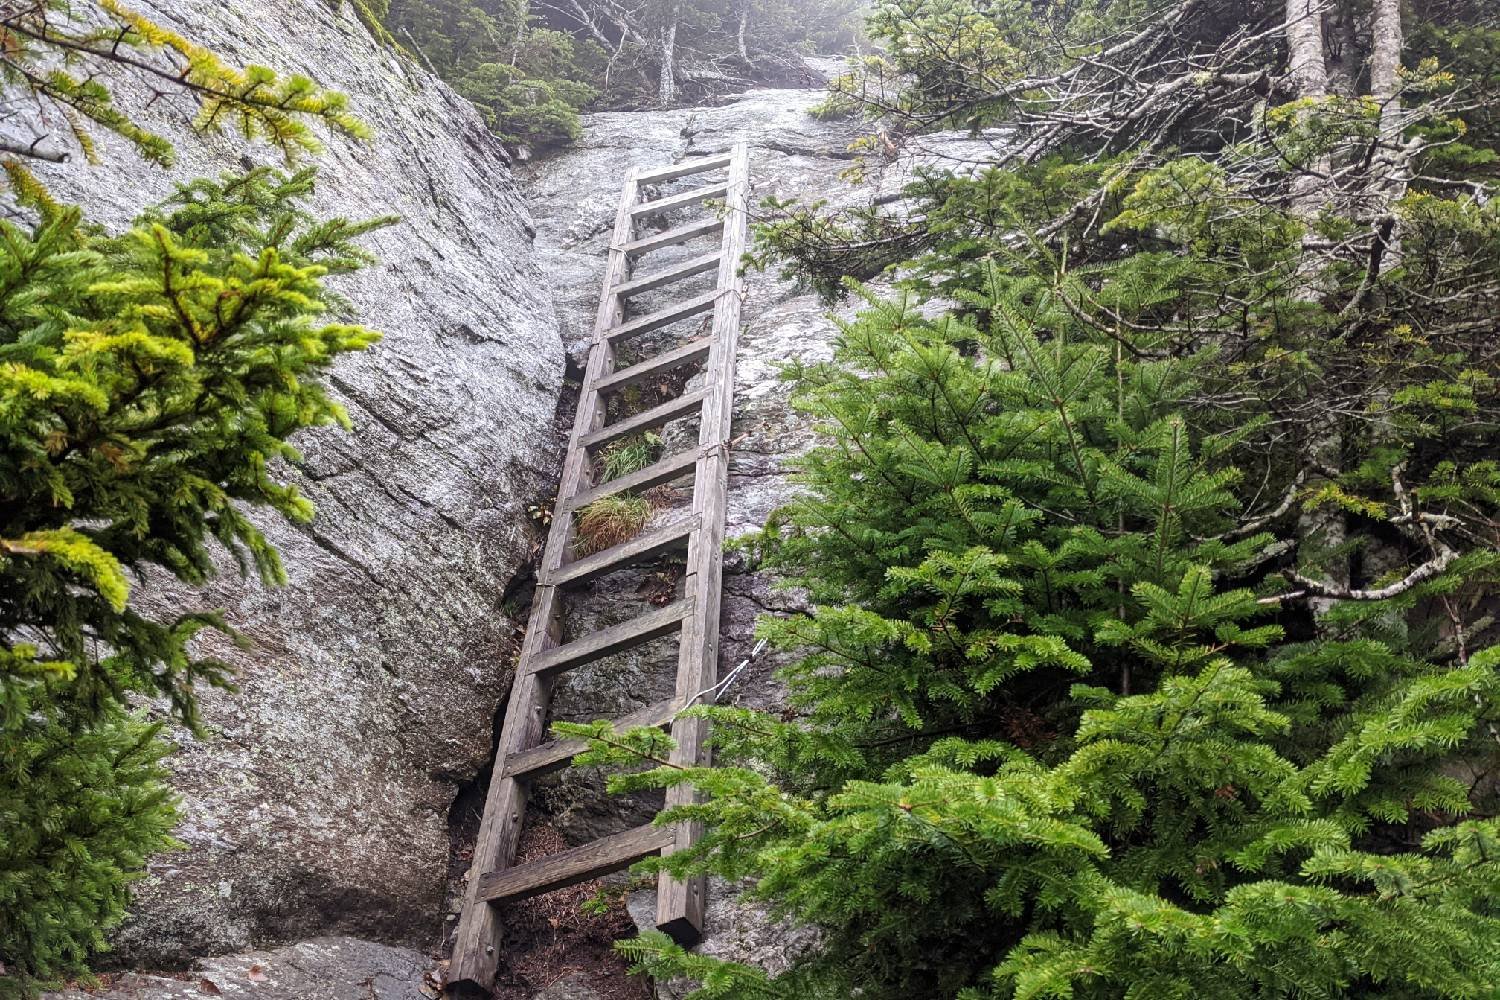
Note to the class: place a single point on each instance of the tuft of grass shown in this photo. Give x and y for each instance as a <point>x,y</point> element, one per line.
<point>630,454</point>
<point>609,521</point>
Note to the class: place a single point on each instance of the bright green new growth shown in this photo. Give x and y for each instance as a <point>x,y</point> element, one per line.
<point>54,51</point>
<point>149,383</point>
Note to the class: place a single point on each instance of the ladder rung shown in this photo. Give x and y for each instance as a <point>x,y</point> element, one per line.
<point>549,757</point>
<point>672,237</point>
<point>691,351</point>
<point>654,474</point>
<point>682,170</point>
<point>676,201</point>
<point>638,549</point>
<point>612,640</point>
<point>655,321</point>
<point>645,420</point>
<point>579,864</point>
<point>667,275</point>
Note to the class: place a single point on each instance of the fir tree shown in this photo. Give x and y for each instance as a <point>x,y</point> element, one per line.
<point>54,51</point>
<point>1053,738</point>
<point>149,383</point>
<point>529,81</point>
<point>1149,652</point>
<point>531,67</point>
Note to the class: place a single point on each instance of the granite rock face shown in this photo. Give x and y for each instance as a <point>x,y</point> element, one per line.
<point>330,968</point>
<point>736,929</point>
<point>318,802</point>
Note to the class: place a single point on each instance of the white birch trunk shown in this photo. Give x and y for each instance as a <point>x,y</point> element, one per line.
<point>1322,529</point>
<point>739,38</point>
<point>1387,41</point>
<point>667,60</point>
<point>1308,68</point>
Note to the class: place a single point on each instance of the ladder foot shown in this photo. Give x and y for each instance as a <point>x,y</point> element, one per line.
<point>466,990</point>
<point>682,930</point>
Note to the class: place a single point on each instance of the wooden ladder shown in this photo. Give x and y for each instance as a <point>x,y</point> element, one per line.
<point>694,618</point>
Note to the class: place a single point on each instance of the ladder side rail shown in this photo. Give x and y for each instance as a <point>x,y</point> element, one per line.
<point>680,904</point>
<point>477,941</point>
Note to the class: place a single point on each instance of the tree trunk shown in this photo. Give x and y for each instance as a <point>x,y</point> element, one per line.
<point>1323,529</point>
<point>1308,68</point>
<point>1385,64</point>
<point>1393,166</point>
<point>1304,39</point>
<point>667,60</point>
<point>739,37</point>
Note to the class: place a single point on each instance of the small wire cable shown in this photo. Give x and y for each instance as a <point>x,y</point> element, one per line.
<point>718,689</point>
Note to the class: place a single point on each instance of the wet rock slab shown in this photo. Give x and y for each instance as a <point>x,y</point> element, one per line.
<point>330,968</point>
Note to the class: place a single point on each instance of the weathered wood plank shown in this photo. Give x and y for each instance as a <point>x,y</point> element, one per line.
<point>680,904</point>
<point>684,169</point>
<point>550,756</point>
<point>686,309</point>
<point>579,864</point>
<point>693,350</point>
<point>637,550</point>
<point>478,937</point>
<point>615,639</point>
<point>673,237</point>
<point>671,203</point>
<point>670,468</point>
<point>646,420</point>
<point>667,275</point>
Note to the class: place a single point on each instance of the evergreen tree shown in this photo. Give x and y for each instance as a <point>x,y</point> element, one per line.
<point>1150,651</point>
<point>528,80</point>
<point>149,383</point>
<point>531,67</point>
<point>1052,737</point>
